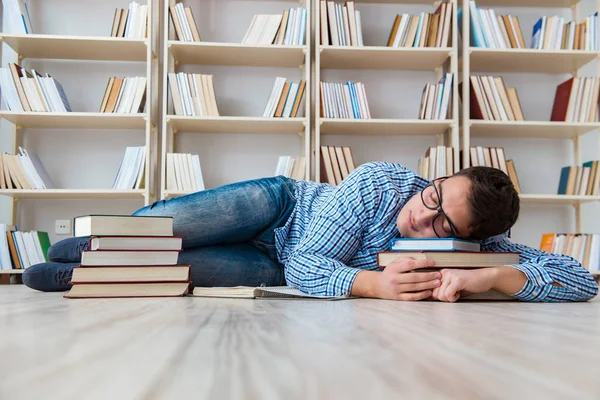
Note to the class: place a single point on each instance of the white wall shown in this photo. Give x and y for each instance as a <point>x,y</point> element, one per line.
<point>90,159</point>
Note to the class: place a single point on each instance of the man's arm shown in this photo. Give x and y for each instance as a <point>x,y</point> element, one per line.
<point>540,276</point>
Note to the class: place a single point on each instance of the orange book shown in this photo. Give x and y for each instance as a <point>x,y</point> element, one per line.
<point>547,242</point>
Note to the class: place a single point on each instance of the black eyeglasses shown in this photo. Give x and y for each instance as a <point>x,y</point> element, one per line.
<point>435,203</point>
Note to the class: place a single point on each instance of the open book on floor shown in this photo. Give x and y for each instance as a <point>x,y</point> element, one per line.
<point>249,292</point>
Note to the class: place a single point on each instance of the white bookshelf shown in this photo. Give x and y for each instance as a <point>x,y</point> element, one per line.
<point>86,48</point>
<point>177,54</point>
<point>438,60</point>
<point>497,61</point>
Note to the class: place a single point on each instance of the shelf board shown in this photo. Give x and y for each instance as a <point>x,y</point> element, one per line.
<point>529,60</point>
<point>211,53</point>
<point>382,57</point>
<point>171,194</point>
<point>75,120</point>
<point>530,129</point>
<point>73,193</point>
<point>528,3</point>
<point>11,271</point>
<point>416,127</point>
<point>557,199</point>
<point>77,47</point>
<point>237,124</point>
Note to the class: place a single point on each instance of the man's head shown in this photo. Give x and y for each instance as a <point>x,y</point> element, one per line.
<point>476,203</point>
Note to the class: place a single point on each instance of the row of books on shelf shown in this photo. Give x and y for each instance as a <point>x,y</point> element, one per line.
<point>344,100</point>
<point>490,99</point>
<point>423,30</point>
<point>582,180</point>
<point>435,99</point>
<point>494,157</point>
<point>285,98</point>
<point>128,256</point>
<point>288,28</point>
<point>184,23</point>
<point>340,24</point>
<point>20,249</point>
<point>23,171</point>
<point>193,94</point>
<point>131,172</point>
<point>489,30</point>
<point>291,167</point>
<point>124,95</point>
<point>336,163</point>
<point>184,173</point>
<point>23,90</point>
<point>583,247</point>
<point>438,161</point>
<point>576,100</point>
<point>131,23</point>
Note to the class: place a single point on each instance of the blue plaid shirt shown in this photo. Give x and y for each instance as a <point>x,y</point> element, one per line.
<point>335,232</point>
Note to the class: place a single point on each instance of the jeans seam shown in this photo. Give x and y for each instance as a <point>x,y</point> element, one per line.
<point>286,185</point>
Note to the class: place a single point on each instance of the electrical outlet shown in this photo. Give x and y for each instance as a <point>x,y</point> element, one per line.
<point>62,227</point>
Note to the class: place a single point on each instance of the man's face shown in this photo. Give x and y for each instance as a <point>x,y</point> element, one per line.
<point>415,220</point>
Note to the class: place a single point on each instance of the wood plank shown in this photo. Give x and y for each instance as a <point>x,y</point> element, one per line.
<point>380,57</point>
<point>72,120</point>
<point>557,199</point>
<point>210,53</point>
<point>416,127</point>
<point>73,193</point>
<point>529,60</point>
<point>168,348</point>
<point>237,124</point>
<point>530,129</point>
<point>77,47</point>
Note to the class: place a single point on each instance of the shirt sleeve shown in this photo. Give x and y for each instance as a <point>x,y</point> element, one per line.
<point>542,269</point>
<point>318,264</point>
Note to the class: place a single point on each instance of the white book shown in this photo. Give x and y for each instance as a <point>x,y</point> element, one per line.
<point>291,98</point>
<point>141,167</point>
<point>29,169</point>
<point>138,95</point>
<point>275,94</point>
<point>183,22</point>
<point>190,167</point>
<point>12,94</point>
<point>171,180</point>
<point>359,28</point>
<point>290,27</point>
<point>261,24</point>
<point>302,30</point>
<point>249,30</point>
<point>143,22</point>
<point>198,172</point>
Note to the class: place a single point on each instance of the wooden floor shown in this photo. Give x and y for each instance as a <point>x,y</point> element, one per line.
<point>54,348</point>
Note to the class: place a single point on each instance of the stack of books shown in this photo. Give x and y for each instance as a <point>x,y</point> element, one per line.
<point>576,100</point>
<point>23,171</point>
<point>552,33</point>
<point>131,172</point>
<point>131,23</point>
<point>582,180</point>
<point>184,23</point>
<point>30,91</point>
<point>424,30</point>
<point>288,28</point>
<point>449,253</point>
<point>20,249</point>
<point>493,31</point>
<point>291,167</point>
<point>583,247</point>
<point>340,24</point>
<point>344,100</point>
<point>438,161</point>
<point>435,99</point>
<point>285,99</point>
<point>184,173</point>
<point>496,158</point>
<point>193,94</point>
<point>128,256</point>
<point>490,99</point>
<point>336,164</point>
<point>124,95</point>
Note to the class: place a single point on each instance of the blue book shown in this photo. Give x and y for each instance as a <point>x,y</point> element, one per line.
<point>434,244</point>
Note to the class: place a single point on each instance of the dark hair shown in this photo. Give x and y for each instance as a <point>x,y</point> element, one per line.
<point>494,201</point>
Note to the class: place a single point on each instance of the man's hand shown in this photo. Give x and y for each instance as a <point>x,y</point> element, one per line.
<point>457,282</point>
<point>400,280</point>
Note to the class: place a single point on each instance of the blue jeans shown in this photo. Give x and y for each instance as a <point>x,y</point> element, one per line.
<point>228,234</point>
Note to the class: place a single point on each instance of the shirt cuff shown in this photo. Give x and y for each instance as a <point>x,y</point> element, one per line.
<point>537,284</point>
<point>341,280</point>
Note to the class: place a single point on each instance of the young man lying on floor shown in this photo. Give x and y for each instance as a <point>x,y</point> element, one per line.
<point>324,239</point>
